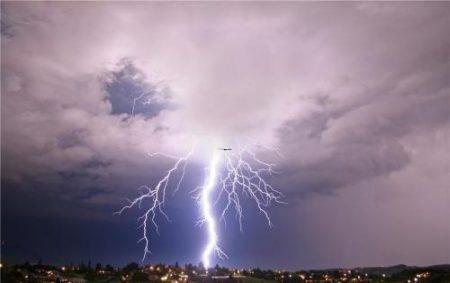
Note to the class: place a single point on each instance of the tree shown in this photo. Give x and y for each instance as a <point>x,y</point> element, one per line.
<point>109,268</point>
<point>82,267</point>
<point>89,266</point>
<point>201,267</point>
<point>139,277</point>
<point>130,267</point>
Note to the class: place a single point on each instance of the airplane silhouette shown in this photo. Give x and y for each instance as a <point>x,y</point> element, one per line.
<point>224,149</point>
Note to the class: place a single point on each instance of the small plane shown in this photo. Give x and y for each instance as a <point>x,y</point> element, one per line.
<point>224,149</point>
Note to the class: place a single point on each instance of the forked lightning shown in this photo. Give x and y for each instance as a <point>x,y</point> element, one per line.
<point>232,173</point>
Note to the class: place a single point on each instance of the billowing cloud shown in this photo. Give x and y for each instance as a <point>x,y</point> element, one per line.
<point>355,95</point>
<point>337,87</point>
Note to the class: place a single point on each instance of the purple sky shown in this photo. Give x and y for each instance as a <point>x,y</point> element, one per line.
<point>355,95</point>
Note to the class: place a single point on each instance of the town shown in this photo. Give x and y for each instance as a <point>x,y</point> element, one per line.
<point>133,272</point>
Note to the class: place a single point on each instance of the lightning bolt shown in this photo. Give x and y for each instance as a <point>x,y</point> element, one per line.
<point>156,196</point>
<point>243,175</point>
<point>207,214</point>
<point>247,178</point>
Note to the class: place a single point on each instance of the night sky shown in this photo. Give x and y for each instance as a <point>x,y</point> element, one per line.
<point>356,97</point>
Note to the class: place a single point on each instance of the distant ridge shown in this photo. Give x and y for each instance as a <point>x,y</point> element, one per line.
<point>395,269</point>
<point>389,270</point>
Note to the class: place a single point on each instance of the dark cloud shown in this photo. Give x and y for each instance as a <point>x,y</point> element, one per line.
<point>359,143</point>
<point>91,192</point>
<point>130,92</point>
<point>355,95</point>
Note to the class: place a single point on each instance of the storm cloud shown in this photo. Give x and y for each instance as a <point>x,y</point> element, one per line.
<point>353,94</point>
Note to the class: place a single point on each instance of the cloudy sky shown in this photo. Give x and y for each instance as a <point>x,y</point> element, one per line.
<point>356,96</point>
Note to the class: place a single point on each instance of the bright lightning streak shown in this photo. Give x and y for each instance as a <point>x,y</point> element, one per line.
<point>156,196</point>
<point>208,216</point>
<point>247,178</point>
<point>243,174</point>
